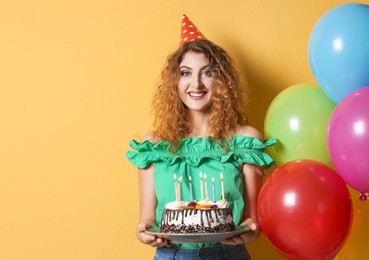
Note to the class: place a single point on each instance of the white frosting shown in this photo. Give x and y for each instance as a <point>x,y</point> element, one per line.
<point>222,204</point>
<point>205,202</point>
<point>175,204</point>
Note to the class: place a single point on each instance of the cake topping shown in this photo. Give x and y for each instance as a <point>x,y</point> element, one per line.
<point>222,204</point>
<point>202,204</point>
<point>176,204</point>
<point>192,203</point>
<point>206,201</point>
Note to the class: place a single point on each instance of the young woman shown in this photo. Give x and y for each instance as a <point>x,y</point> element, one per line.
<point>200,126</point>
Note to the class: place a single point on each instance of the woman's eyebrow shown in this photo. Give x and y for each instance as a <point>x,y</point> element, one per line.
<point>186,67</point>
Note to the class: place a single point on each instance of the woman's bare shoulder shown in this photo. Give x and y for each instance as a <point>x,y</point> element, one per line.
<point>251,131</point>
<point>149,137</point>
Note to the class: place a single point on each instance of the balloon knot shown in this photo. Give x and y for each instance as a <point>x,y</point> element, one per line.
<point>364,196</point>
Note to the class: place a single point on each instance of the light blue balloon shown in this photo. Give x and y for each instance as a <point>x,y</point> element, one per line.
<point>338,50</point>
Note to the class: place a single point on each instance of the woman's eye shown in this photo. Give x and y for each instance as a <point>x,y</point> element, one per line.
<point>185,73</point>
<point>206,73</point>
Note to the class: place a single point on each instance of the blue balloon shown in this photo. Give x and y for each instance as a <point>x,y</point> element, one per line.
<point>338,50</point>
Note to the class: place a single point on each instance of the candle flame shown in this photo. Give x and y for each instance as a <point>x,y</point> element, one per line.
<point>200,175</point>
<point>205,176</point>
<point>221,175</point>
<point>190,178</point>
<point>212,179</point>
<point>175,176</point>
<point>180,179</point>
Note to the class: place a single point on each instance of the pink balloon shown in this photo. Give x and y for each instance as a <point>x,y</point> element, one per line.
<point>348,139</point>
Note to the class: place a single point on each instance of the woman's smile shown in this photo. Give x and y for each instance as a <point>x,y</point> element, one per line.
<point>197,95</point>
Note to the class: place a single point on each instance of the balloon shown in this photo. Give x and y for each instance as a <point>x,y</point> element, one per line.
<point>338,50</point>
<point>348,139</point>
<point>357,243</point>
<point>298,117</point>
<point>304,209</point>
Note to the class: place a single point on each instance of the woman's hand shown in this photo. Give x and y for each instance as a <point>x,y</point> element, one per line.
<point>249,236</point>
<point>150,239</point>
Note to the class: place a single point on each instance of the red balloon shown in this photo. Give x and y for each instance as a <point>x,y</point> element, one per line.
<point>304,210</point>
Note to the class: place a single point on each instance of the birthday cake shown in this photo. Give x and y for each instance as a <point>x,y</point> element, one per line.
<point>203,216</point>
<point>194,217</point>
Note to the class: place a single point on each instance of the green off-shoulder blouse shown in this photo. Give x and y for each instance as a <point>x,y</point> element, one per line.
<point>200,160</point>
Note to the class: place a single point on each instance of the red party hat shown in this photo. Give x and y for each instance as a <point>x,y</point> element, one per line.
<point>189,31</point>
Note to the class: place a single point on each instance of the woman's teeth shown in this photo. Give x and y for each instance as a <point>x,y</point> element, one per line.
<point>196,94</point>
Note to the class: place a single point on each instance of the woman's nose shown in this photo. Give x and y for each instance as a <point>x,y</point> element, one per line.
<point>196,82</point>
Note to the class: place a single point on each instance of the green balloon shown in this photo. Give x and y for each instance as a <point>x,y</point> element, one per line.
<point>298,118</point>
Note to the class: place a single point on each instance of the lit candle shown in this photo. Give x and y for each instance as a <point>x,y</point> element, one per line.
<point>213,188</point>
<point>179,188</point>
<point>201,187</point>
<point>175,186</point>
<point>191,194</point>
<point>221,177</point>
<point>206,186</point>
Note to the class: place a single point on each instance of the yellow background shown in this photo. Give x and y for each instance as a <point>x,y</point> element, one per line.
<point>76,81</point>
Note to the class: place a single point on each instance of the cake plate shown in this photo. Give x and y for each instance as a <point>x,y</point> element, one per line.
<point>196,238</point>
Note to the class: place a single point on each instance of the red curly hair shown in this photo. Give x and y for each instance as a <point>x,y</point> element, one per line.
<point>229,105</point>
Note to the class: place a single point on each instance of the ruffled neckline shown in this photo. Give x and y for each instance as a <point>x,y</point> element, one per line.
<point>193,150</point>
